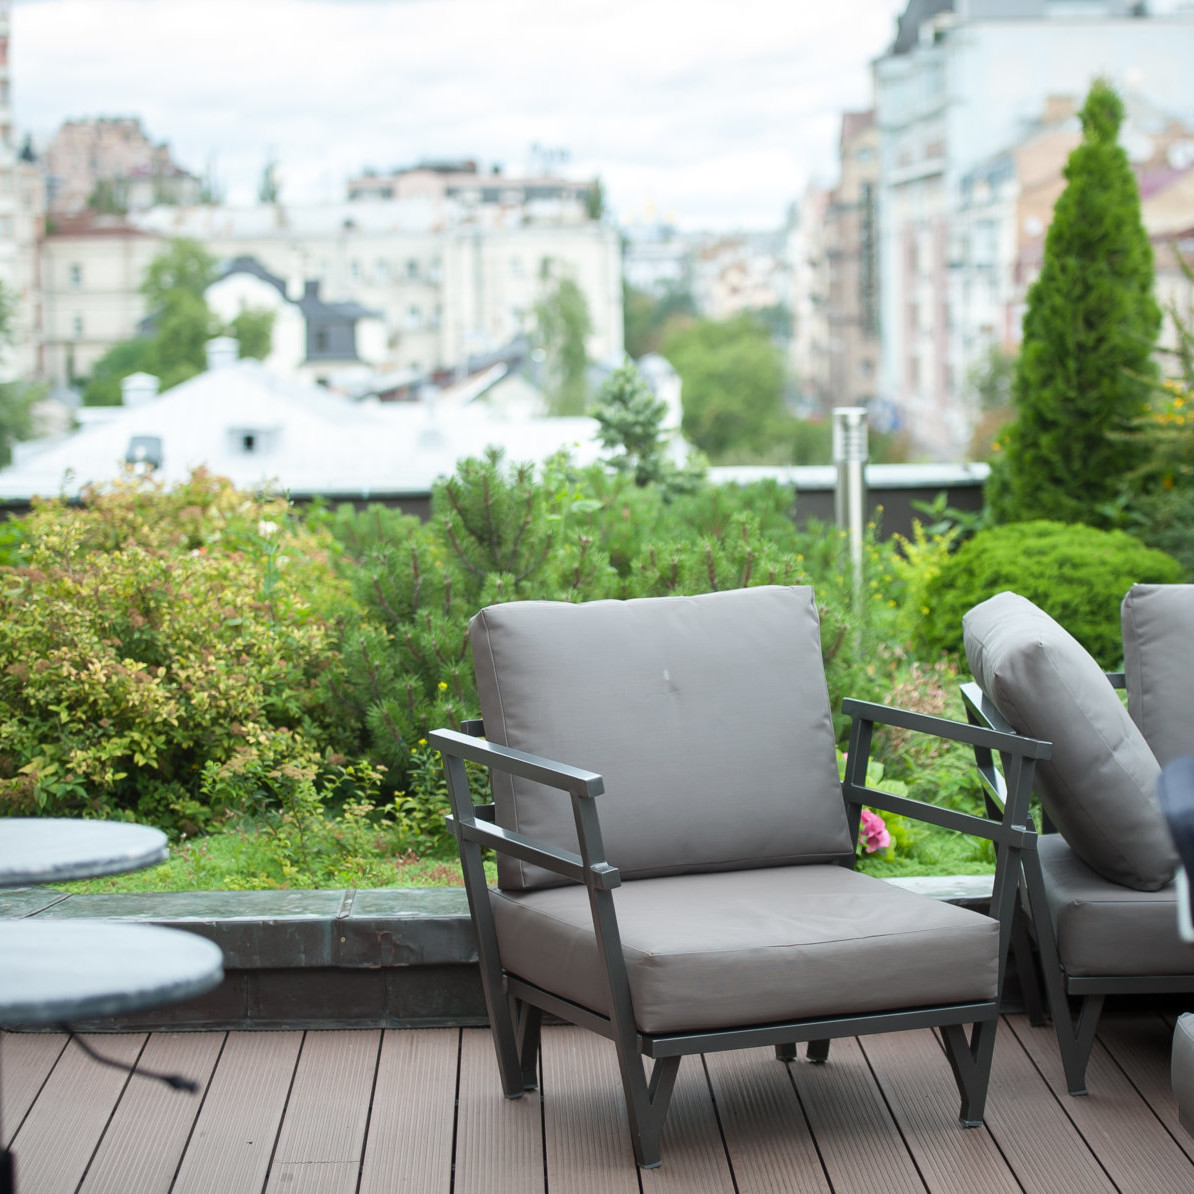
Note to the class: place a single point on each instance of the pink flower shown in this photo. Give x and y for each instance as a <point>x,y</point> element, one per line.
<point>872,832</point>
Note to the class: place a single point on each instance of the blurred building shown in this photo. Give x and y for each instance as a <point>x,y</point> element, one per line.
<point>244,422</point>
<point>22,215</point>
<point>449,276</point>
<point>1004,209</point>
<point>965,82</point>
<point>90,274</point>
<point>852,250</point>
<point>108,163</point>
<point>808,252</point>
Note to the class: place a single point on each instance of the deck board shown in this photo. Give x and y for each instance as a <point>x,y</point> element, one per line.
<point>421,1111</point>
<point>411,1128</point>
<point>1132,1145</point>
<point>237,1127</point>
<point>859,1141</point>
<point>26,1059</point>
<point>913,1073</point>
<point>1141,1046</point>
<point>586,1136</point>
<point>771,1148</point>
<point>499,1141</point>
<point>328,1110</point>
<point>152,1124</point>
<point>54,1145</point>
<point>1031,1128</point>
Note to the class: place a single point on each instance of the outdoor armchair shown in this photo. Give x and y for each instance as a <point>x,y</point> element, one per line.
<point>679,879</point>
<point>1097,893</point>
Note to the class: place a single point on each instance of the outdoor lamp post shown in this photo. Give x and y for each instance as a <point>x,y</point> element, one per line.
<point>849,499</point>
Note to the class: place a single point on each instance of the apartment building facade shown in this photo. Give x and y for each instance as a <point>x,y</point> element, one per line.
<point>851,246</point>
<point>964,82</point>
<point>439,278</point>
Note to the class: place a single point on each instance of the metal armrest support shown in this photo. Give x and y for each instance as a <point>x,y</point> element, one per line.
<point>515,1034</point>
<point>1009,826</point>
<point>588,867</point>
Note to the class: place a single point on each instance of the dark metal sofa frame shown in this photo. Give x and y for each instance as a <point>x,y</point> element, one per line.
<point>516,1007</point>
<point>1075,1026</point>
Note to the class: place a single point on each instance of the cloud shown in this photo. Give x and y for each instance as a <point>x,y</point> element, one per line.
<point>719,112</point>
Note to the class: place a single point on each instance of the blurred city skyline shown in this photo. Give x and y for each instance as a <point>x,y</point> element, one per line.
<point>704,114</point>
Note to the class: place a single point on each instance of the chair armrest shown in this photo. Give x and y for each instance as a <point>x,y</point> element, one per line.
<point>1021,752</point>
<point>579,784</point>
<point>573,780</point>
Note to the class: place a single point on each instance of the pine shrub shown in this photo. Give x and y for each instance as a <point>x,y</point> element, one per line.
<point>1085,368</point>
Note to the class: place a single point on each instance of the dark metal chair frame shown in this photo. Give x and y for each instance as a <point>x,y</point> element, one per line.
<point>516,1007</point>
<point>1074,1023</point>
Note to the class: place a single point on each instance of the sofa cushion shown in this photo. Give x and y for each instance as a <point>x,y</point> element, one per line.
<point>1099,786</point>
<point>1158,630</point>
<point>708,718</point>
<point>1104,928</point>
<point>754,947</point>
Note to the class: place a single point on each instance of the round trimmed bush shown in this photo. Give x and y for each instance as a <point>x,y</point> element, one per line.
<point>1075,573</point>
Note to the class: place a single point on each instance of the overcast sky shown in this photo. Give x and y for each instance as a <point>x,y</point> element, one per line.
<point>712,112</point>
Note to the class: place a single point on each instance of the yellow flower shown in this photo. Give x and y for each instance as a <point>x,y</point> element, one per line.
<point>442,686</point>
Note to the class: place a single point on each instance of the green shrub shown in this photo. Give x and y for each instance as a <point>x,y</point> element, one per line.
<point>147,633</point>
<point>1077,574</point>
<point>500,533</point>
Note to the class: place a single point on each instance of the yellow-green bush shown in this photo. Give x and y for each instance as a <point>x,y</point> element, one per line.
<point>145,633</point>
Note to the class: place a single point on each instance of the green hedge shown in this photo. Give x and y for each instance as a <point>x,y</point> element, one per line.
<point>1077,574</point>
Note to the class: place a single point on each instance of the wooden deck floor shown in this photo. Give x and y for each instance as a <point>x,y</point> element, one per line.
<point>375,1112</point>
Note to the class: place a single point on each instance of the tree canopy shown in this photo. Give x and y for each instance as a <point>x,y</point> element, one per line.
<point>733,378</point>
<point>562,326</point>
<point>176,349</point>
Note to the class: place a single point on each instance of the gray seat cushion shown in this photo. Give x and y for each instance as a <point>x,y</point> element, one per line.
<point>1099,787</point>
<point>754,947</point>
<point>1104,928</point>
<point>1183,1070</point>
<point>1158,631</point>
<point>708,718</point>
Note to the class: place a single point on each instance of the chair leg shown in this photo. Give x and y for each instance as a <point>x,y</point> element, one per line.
<point>528,1020</point>
<point>817,1051</point>
<point>970,1059</point>
<point>647,1106</point>
<point>1076,1038</point>
<point>785,1052</point>
<point>1026,969</point>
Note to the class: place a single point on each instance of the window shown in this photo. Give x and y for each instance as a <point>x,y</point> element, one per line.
<point>322,340</point>
<point>75,275</point>
<point>412,270</point>
<point>77,327</point>
<point>248,442</point>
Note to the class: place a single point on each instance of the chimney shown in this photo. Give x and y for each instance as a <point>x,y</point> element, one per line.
<point>138,389</point>
<point>222,351</point>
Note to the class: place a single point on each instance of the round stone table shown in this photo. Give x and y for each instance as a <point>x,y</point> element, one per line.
<point>56,849</point>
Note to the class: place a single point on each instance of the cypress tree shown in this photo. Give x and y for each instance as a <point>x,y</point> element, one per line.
<point>1085,369</point>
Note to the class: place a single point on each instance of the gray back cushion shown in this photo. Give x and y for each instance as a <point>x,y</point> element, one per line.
<point>708,718</point>
<point>1158,628</point>
<point>1099,787</point>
